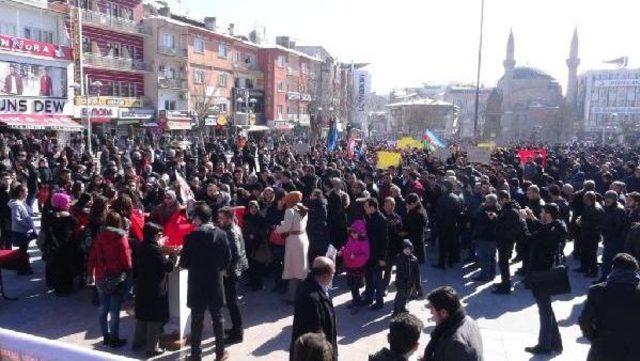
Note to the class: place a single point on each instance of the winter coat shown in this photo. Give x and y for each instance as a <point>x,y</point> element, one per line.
<point>414,224</point>
<point>355,253</point>
<point>313,312</point>
<point>254,231</point>
<point>448,212</point>
<point>239,262</point>
<point>152,300</point>
<point>296,262</point>
<point>110,254</point>
<point>377,230</point>
<point>63,254</point>
<point>614,223</point>
<point>610,318</point>
<point>545,244</point>
<point>395,239</point>
<point>632,243</point>
<point>21,221</point>
<point>206,255</point>
<point>456,339</point>
<point>317,227</point>
<point>386,355</point>
<point>510,226</point>
<point>336,218</point>
<point>407,271</point>
<point>591,223</point>
<point>484,228</point>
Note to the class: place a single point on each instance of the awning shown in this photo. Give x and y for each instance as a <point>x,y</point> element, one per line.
<point>40,122</point>
<point>179,125</point>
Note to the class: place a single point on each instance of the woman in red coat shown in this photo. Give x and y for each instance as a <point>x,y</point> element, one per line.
<point>109,263</point>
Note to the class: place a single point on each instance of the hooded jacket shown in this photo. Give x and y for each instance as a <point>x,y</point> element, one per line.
<point>110,253</point>
<point>21,220</point>
<point>355,253</point>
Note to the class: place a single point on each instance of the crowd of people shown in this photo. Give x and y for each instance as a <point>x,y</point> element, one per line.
<point>289,219</point>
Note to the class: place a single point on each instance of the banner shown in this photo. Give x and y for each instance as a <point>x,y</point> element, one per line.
<point>32,47</point>
<point>388,159</point>
<point>28,79</point>
<point>408,143</point>
<point>525,154</point>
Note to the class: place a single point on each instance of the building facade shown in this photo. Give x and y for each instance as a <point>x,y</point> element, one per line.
<point>464,97</point>
<point>609,102</point>
<point>36,68</point>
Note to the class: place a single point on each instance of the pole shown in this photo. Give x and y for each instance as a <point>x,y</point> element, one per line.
<point>475,116</point>
<point>86,101</point>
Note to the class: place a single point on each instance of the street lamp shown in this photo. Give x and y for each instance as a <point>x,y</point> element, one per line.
<point>78,88</point>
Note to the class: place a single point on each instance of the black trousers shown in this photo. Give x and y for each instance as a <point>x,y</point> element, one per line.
<point>589,253</point>
<point>505,251</point>
<point>549,335</point>
<point>197,317</point>
<point>374,283</point>
<point>231,298</point>
<point>448,247</point>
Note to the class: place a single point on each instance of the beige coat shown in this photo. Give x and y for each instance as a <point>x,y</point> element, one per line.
<point>296,264</point>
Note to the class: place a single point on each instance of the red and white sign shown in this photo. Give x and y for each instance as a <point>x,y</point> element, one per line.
<point>39,122</point>
<point>20,45</point>
<point>178,125</point>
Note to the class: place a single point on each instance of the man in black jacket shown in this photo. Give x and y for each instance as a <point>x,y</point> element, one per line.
<point>448,213</point>
<point>378,232</point>
<point>206,254</point>
<point>614,229</point>
<point>403,337</point>
<point>313,310</point>
<point>456,336</point>
<point>590,234</point>
<point>511,228</point>
<point>239,264</point>
<point>610,318</point>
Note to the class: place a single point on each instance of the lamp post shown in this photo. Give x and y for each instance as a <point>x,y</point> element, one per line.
<point>78,88</point>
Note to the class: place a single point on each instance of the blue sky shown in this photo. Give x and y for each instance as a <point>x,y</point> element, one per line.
<point>413,41</point>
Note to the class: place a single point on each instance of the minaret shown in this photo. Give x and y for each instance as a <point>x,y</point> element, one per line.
<point>572,79</point>
<point>510,62</point>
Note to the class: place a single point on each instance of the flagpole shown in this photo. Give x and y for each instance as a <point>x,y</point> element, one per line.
<point>475,116</point>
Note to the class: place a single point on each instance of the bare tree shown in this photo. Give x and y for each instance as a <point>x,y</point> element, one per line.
<point>203,101</point>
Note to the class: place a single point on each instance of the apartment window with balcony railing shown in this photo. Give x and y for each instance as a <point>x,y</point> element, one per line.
<point>82,4</point>
<point>118,11</point>
<point>169,104</point>
<point>38,34</point>
<point>8,29</point>
<point>198,45</point>
<point>114,50</point>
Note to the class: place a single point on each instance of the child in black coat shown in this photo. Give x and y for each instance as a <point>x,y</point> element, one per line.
<point>408,280</point>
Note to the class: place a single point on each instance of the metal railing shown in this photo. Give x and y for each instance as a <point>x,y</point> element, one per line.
<point>100,19</point>
<point>172,83</point>
<point>116,63</point>
<point>171,51</point>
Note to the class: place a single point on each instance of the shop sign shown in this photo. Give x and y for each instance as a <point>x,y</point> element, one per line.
<point>32,47</point>
<point>15,105</point>
<point>122,102</point>
<point>135,113</point>
<point>97,112</point>
<point>211,120</point>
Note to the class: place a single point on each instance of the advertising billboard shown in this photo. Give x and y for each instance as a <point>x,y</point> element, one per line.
<point>27,79</point>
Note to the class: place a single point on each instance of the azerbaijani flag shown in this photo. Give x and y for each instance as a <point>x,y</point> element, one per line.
<point>429,138</point>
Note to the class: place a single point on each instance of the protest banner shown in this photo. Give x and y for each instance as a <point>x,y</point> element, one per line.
<point>388,159</point>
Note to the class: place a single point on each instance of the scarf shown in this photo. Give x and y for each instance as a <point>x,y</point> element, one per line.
<point>443,330</point>
<point>624,277</point>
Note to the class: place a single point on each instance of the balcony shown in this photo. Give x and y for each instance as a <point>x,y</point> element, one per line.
<point>172,83</point>
<point>101,20</point>
<point>171,51</point>
<point>115,63</point>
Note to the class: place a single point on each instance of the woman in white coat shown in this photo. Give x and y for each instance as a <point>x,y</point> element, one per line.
<point>293,228</point>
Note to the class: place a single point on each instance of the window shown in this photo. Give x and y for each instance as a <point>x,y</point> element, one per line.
<point>222,80</point>
<point>249,59</point>
<point>198,76</point>
<point>168,41</point>
<point>222,107</point>
<point>236,57</point>
<point>114,50</point>
<point>282,62</point>
<point>223,50</point>
<point>281,86</point>
<point>248,83</point>
<point>38,35</point>
<point>86,45</point>
<point>198,45</point>
<point>303,68</point>
<point>280,108</point>
<point>8,29</point>
<point>115,89</point>
<point>169,104</point>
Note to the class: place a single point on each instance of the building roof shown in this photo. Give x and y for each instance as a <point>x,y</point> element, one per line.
<point>420,101</point>
<point>525,72</point>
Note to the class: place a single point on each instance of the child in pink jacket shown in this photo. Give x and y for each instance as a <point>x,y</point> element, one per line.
<point>355,255</point>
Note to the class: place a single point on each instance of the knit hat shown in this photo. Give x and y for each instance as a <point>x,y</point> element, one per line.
<point>61,201</point>
<point>407,244</point>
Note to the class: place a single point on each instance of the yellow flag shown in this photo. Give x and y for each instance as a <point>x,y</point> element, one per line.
<point>388,159</point>
<point>408,143</point>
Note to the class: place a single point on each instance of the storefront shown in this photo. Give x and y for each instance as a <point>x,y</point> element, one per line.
<point>176,120</point>
<point>116,115</point>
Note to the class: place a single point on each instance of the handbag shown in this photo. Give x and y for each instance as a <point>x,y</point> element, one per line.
<point>262,254</point>
<point>552,282</point>
<point>113,284</point>
<point>277,239</point>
